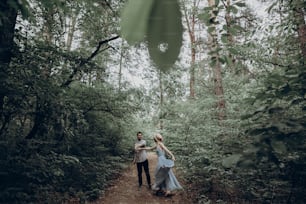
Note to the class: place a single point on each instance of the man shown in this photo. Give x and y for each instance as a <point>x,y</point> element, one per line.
<point>140,159</point>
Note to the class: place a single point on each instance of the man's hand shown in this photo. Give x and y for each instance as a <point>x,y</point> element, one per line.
<point>139,147</point>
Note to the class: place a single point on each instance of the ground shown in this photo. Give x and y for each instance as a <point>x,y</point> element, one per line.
<point>125,189</point>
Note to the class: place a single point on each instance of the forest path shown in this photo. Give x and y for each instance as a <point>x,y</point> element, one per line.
<point>124,190</point>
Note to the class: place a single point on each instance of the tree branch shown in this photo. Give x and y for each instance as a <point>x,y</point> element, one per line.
<point>98,48</point>
<point>83,62</point>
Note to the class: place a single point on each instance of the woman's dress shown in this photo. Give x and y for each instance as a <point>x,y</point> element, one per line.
<point>164,176</point>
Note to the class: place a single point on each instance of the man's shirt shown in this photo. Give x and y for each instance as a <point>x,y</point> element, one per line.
<point>140,155</point>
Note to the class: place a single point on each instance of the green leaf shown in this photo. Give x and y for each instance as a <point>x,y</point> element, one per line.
<point>233,9</point>
<point>205,17</point>
<point>279,146</point>
<point>211,29</point>
<point>224,38</point>
<point>232,30</point>
<point>165,33</point>
<point>224,28</point>
<point>213,61</point>
<point>233,51</point>
<point>229,61</point>
<point>238,28</point>
<point>231,161</point>
<point>217,2</point>
<point>240,4</point>
<point>222,59</point>
<point>135,17</point>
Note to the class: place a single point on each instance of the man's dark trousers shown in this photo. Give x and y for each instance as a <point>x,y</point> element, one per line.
<point>145,166</point>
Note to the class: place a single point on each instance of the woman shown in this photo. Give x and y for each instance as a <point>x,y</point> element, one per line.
<point>165,179</point>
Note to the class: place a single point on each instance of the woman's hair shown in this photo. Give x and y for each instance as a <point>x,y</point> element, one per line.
<point>158,137</point>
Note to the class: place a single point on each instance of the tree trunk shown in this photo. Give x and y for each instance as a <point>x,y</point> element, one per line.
<point>161,96</point>
<point>71,31</point>
<point>230,37</point>
<point>301,26</point>
<point>7,26</point>
<point>228,20</point>
<point>49,23</point>
<point>8,17</point>
<point>120,67</point>
<point>38,119</point>
<point>217,73</point>
<point>191,32</point>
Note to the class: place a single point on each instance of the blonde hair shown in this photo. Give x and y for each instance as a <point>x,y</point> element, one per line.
<point>158,137</point>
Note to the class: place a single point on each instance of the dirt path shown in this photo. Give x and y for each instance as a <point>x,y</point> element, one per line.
<point>125,189</point>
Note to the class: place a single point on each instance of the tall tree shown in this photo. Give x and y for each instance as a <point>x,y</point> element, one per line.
<point>229,35</point>
<point>71,24</point>
<point>298,7</point>
<point>120,65</point>
<point>215,60</point>
<point>191,22</point>
<point>8,16</point>
<point>161,100</point>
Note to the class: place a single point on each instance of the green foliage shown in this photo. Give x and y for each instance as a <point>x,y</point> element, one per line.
<point>22,6</point>
<point>160,23</point>
<point>224,32</point>
<point>277,129</point>
<point>276,123</point>
<point>205,150</point>
<point>58,142</point>
<point>281,120</point>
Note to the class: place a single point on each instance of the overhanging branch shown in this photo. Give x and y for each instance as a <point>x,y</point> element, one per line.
<point>83,62</point>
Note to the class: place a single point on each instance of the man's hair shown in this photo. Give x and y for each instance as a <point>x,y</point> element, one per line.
<point>138,133</point>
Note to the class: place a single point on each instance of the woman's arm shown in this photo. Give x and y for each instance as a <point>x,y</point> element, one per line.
<point>139,146</point>
<point>147,148</point>
<point>167,151</point>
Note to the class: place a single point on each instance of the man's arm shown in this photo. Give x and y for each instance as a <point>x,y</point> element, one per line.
<point>138,146</point>
<point>135,153</point>
<point>134,160</point>
<point>148,148</point>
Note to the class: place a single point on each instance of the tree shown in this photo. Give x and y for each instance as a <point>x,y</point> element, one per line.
<point>53,123</point>
<point>229,35</point>
<point>215,60</point>
<point>298,8</point>
<point>191,23</point>
<point>8,15</point>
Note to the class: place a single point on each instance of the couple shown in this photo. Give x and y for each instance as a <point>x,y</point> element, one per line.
<point>165,180</point>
